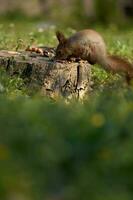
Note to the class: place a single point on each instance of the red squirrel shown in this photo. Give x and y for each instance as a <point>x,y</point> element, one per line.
<point>89,45</point>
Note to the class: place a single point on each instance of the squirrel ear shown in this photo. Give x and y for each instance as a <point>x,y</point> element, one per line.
<point>60,36</point>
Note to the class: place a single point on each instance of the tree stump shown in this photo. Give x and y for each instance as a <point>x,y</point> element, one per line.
<point>51,78</point>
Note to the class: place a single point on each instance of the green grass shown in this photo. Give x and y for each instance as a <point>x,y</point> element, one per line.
<point>52,150</point>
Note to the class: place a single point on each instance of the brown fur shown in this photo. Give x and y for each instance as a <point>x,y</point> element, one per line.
<point>89,45</point>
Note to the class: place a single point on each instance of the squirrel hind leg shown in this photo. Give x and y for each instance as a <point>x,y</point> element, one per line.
<point>129,79</point>
<point>92,62</point>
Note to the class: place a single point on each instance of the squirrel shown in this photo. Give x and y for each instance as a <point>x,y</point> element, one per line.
<point>89,45</point>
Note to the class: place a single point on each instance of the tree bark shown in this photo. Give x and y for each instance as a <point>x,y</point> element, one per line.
<point>51,78</point>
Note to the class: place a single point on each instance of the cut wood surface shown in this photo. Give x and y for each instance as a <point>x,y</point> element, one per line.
<point>49,77</point>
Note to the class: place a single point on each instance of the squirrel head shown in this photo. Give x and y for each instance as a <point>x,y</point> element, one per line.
<point>63,50</point>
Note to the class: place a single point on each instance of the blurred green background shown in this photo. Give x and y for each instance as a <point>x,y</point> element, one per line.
<point>70,12</point>
<point>50,150</point>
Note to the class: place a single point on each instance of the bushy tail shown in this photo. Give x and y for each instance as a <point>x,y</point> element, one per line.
<point>119,65</point>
